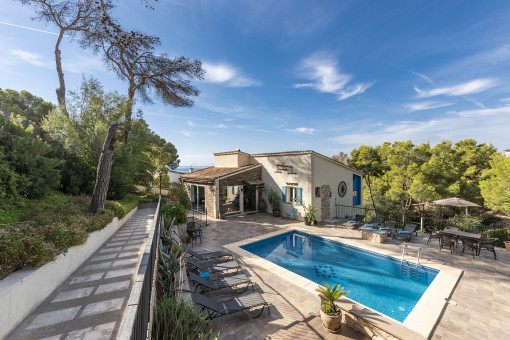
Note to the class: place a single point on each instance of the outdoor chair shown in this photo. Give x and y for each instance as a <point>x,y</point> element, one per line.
<point>433,234</point>
<point>232,282</point>
<point>194,231</point>
<point>446,241</point>
<point>241,303</point>
<point>358,222</point>
<point>390,227</point>
<point>374,222</point>
<point>212,268</point>
<point>205,256</point>
<point>488,244</point>
<point>406,233</point>
<point>291,214</point>
<point>471,244</point>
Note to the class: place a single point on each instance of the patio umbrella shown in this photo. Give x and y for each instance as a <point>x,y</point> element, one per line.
<point>456,202</point>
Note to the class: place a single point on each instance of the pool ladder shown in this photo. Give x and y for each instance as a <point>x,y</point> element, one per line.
<point>407,268</point>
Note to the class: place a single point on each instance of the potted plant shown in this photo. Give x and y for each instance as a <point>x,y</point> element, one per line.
<point>331,315</point>
<point>274,201</point>
<point>310,214</point>
<point>507,245</point>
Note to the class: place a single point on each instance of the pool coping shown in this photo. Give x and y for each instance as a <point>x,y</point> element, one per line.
<point>424,316</point>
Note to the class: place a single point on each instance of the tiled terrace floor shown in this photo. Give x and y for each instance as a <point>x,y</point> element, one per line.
<point>90,303</point>
<point>481,300</point>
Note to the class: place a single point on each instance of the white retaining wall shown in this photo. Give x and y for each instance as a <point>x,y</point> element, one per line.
<point>22,291</point>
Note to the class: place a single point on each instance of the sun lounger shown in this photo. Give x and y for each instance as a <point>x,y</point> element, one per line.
<point>213,255</point>
<point>408,231</point>
<point>242,303</point>
<point>205,285</point>
<point>213,268</point>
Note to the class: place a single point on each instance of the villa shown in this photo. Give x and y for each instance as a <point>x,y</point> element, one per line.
<point>238,182</point>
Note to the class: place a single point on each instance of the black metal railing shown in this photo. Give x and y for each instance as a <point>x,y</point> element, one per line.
<point>342,211</point>
<point>143,318</point>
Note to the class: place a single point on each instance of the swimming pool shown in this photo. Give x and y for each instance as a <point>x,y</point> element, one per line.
<point>374,280</point>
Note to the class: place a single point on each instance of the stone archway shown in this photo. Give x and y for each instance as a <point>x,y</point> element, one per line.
<point>325,198</point>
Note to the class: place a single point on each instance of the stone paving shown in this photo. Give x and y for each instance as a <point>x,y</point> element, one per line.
<point>479,307</point>
<point>90,303</point>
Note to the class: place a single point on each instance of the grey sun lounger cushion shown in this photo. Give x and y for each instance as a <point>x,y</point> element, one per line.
<point>214,268</point>
<point>242,303</point>
<point>233,282</point>
<point>213,255</point>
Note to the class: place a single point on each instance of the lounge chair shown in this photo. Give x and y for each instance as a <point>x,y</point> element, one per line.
<point>213,268</point>
<point>205,256</point>
<point>233,282</point>
<point>406,233</point>
<point>242,303</point>
<point>389,226</point>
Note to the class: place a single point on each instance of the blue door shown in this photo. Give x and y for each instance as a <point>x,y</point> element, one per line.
<point>356,190</point>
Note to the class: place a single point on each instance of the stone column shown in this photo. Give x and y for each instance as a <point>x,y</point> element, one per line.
<point>241,199</point>
<point>256,198</point>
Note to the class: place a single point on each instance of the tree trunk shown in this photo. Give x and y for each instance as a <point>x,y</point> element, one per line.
<point>406,205</point>
<point>367,180</point>
<point>129,111</point>
<point>61,91</point>
<point>104,168</point>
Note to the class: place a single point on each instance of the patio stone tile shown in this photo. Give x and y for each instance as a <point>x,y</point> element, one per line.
<point>50,318</point>
<point>99,332</point>
<point>103,257</point>
<point>110,250</point>
<point>73,294</point>
<point>97,266</point>
<point>125,262</point>
<point>120,272</point>
<point>111,287</point>
<point>102,307</point>
<point>86,278</point>
<point>56,337</point>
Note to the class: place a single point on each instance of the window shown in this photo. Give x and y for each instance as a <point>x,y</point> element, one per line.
<point>292,194</point>
<point>317,191</point>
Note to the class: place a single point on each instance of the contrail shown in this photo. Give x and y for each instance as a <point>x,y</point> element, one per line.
<point>35,29</point>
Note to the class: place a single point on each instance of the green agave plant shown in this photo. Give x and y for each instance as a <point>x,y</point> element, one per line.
<point>331,294</point>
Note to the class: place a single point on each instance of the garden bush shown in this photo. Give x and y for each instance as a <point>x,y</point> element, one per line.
<point>175,212</point>
<point>53,224</point>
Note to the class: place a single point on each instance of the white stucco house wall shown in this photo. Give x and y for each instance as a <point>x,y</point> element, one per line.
<point>238,178</point>
<point>175,176</point>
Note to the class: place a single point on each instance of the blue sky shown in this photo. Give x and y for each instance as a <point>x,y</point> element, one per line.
<point>297,75</point>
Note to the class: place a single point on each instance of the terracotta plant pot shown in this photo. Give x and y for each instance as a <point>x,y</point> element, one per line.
<point>507,245</point>
<point>332,323</point>
<point>307,222</point>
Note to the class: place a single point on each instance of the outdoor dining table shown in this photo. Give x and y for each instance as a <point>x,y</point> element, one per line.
<point>464,234</point>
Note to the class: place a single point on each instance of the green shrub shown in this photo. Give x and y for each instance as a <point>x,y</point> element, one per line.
<point>116,207</point>
<point>22,245</point>
<point>175,212</point>
<point>178,194</point>
<point>177,319</point>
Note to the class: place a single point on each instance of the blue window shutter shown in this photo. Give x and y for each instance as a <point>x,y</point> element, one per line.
<point>299,196</point>
<point>284,194</point>
<point>233,190</point>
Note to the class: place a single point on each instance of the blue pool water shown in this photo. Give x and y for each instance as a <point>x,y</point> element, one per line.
<point>374,280</point>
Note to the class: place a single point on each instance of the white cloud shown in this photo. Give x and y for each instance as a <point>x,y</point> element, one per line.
<point>428,105</point>
<point>220,126</point>
<point>325,76</point>
<point>471,87</point>
<point>302,130</point>
<point>190,123</point>
<point>31,58</point>
<point>188,133</point>
<point>80,64</point>
<point>228,75</point>
<point>486,126</point>
<point>505,100</point>
<point>485,112</point>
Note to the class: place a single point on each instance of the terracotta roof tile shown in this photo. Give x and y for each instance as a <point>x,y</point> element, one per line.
<point>211,173</point>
